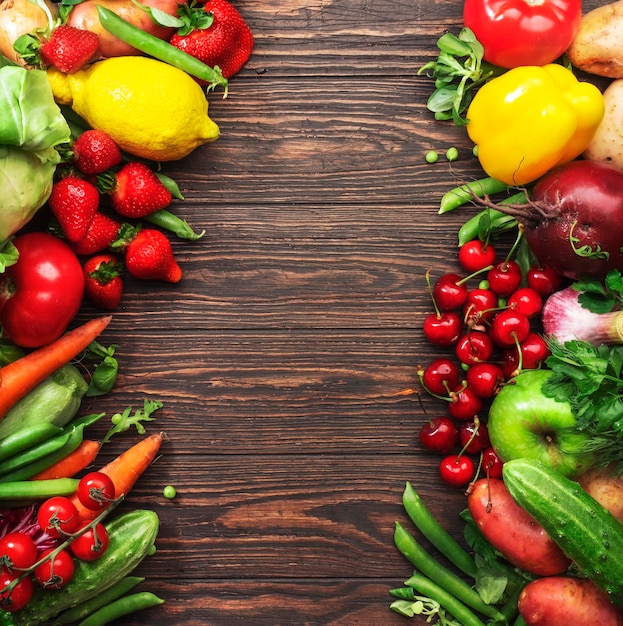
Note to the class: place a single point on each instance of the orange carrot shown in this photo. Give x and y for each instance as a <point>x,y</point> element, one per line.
<point>125,470</point>
<point>73,463</point>
<point>21,376</point>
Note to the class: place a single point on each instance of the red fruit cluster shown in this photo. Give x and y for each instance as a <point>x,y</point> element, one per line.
<point>490,325</point>
<point>97,179</point>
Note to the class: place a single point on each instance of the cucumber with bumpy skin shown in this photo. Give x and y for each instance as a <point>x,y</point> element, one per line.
<point>583,528</point>
<point>131,535</point>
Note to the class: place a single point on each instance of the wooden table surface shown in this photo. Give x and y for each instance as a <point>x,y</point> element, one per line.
<point>281,354</point>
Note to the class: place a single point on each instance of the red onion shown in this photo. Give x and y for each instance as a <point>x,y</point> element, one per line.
<point>24,520</point>
<point>566,319</point>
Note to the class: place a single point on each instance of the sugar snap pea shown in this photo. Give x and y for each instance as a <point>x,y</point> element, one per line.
<point>173,223</point>
<point>33,453</point>
<point>86,608</point>
<point>123,606</point>
<point>26,438</point>
<point>160,49</point>
<point>461,195</point>
<point>435,533</point>
<point>440,575</point>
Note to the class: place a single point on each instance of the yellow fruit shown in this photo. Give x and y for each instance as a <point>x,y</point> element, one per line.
<point>150,108</point>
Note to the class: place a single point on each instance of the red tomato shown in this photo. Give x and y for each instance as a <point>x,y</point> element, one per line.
<point>521,32</point>
<point>56,572</point>
<point>96,490</point>
<point>58,516</point>
<point>41,293</point>
<point>19,596</point>
<point>91,544</point>
<point>17,551</point>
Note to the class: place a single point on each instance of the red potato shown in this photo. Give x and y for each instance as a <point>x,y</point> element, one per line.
<point>511,530</point>
<point>84,15</point>
<point>607,488</point>
<point>565,601</point>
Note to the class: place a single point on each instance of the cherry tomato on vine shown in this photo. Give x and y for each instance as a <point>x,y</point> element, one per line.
<point>457,470</point>
<point>55,572</point>
<point>17,597</point>
<point>96,490</point>
<point>518,32</point>
<point>58,516</point>
<point>41,293</point>
<point>17,551</point>
<point>91,544</point>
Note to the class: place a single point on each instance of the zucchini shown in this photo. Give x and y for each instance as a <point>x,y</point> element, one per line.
<point>132,536</point>
<point>588,533</point>
<point>56,401</point>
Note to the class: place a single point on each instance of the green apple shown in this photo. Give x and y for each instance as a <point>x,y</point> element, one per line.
<point>525,423</point>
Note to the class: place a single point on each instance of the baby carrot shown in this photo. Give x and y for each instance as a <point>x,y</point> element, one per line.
<point>73,463</point>
<point>125,470</point>
<point>21,376</point>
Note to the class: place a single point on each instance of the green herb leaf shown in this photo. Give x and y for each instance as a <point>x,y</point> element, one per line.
<point>123,421</point>
<point>105,372</point>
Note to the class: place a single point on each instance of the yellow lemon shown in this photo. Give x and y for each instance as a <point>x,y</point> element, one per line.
<point>151,109</point>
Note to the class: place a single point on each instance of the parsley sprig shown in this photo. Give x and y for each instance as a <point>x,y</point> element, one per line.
<point>601,297</point>
<point>589,378</point>
<point>458,71</point>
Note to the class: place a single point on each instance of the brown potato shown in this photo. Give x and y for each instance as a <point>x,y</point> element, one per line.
<point>607,142</point>
<point>85,16</point>
<point>509,528</point>
<point>597,46</point>
<point>606,488</point>
<point>565,601</point>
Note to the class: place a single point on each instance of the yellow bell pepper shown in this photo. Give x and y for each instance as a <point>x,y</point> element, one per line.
<point>531,119</point>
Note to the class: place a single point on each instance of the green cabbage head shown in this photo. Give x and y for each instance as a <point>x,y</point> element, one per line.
<point>31,126</point>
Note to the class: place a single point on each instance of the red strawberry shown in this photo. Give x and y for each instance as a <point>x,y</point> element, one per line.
<point>101,234</point>
<point>225,40</point>
<point>103,286</point>
<point>69,48</point>
<point>74,202</point>
<point>95,152</point>
<point>138,191</point>
<point>149,256</point>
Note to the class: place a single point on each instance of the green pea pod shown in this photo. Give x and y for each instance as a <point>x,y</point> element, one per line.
<point>171,222</point>
<point>84,420</point>
<point>463,194</point>
<point>33,454</point>
<point>74,439</point>
<point>123,606</point>
<point>27,438</point>
<point>31,490</point>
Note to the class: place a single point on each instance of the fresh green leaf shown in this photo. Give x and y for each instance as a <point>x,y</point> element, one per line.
<point>124,421</point>
<point>105,372</point>
<point>601,297</point>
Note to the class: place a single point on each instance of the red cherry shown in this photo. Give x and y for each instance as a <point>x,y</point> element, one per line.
<point>474,347</point>
<point>473,436</point>
<point>440,376</point>
<point>456,470</point>
<point>443,329</point>
<point>484,379</point>
<point>480,306</point>
<point>439,434</point>
<point>476,255</point>
<point>464,403</point>
<point>504,278</point>
<point>448,293</point>
<point>509,328</point>
<point>491,463</point>
<point>543,280</point>
<point>526,301</point>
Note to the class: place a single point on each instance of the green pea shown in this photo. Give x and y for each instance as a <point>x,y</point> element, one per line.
<point>452,154</point>
<point>169,492</point>
<point>431,157</point>
<point>475,150</point>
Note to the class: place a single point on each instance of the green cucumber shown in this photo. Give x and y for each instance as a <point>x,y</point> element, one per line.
<point>588,534</point>
<point>132,536</point>
<point>56,401</point>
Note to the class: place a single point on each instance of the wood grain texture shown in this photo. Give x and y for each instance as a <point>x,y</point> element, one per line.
<point>282,354</point>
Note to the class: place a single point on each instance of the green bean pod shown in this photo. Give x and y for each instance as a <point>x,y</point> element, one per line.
<point>26,438</point>
<point>33,454</point>
<point>173,223</point>
<point>440,575</point>
<point>454,606</point>
<point>463,194</point>
<point>435,533</point>
<point>73,440</point>
<point>123,606</point>
<point>26,490</point>
<point>84,420</point>
<point>160,49</point>
<point>86,608</point>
